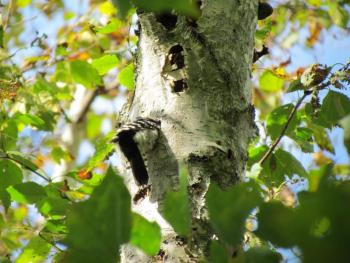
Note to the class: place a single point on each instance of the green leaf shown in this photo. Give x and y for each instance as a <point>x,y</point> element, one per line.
<point>85,74</point>
<point>23,3</point>
<point>123,6</point>
<point>1,36</point>
<point>64,93</point>
<point>105,63</point>
<point>254,171</point>
<point>218,253</point>
<point>43,86</point>
<point>68,15</point>
<point>29,119</point>
<point>27,193</point>
<point>62,72</point>
<point>183,7</point>
<point>321,227</point>
<point>8,135</point>
<point>5,199</point>
<point>61,50</point>
<point>90,184</point>
<point>274,222</point>
<point>277,120</point>
<point>55,227</point>
<point>229,220</point>
<point>53,205</point>
<point>107,8</point>
<point>279,165</point>
<point>316,3</point>
<point>334,107</point>
<point>104,147</point>
<point>270,82</point>
<point>342,169</point>
<point>22,160</point>
<point>322,222</point>
<point>339,15</point>
<point>322,138</point>
<point>54,231</point>
<point>264,32</point>
<point>176,207</point>
<point>145,235</point>
<point>112,26</point>
<point>296,85</point>
<point>59,154</point>
<point>262,255</point>
<point>98,226</point>
<point>316,176</point>
<point>303,137</point>
<point>126,77</point>
<point>255,154</point>
<point>35,252</point>
<point>345,123</point>
<point>2,221</point>
<point>49,120</point>
<point>303,133</point>
<point>318,225</point>
<point>10,174</point>
<point>289,164</point>
<point>93,126</point>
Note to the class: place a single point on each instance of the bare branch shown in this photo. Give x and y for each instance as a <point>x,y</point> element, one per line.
<point>290,117</point>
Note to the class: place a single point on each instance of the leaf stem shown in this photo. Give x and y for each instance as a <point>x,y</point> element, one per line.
<point>307,92</point>
<point>27,167</point>
<point>51,243</point>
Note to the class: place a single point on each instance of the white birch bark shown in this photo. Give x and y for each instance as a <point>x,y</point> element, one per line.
<point>207,125</point>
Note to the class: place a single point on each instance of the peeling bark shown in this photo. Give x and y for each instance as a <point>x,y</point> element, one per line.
<point>194,76</point>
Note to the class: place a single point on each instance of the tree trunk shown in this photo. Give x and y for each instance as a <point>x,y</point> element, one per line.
<point>194,76</point>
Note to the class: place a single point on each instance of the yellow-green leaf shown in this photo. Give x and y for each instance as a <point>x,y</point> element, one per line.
<point>126,77</point>
<point>85,74</point>
<point>99,226</point>
<point>35,252</point>
<point>338,14</point>
<point>177,208</point>
<point>145,235</point>
<point>28,192</point>
<point>107,8</point>
<point>269,81</point>
<point>111,27</point>
<point>23,3</point>
<point>105,63</point>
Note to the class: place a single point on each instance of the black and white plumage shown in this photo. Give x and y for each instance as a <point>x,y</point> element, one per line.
<point>132,137</point>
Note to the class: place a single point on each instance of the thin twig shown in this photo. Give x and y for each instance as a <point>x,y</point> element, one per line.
<point>8,15</point>
<point>87,102</point>
<point>21,22</point>
<point>27,167</point>
<point>290,117</point>
<point>13,54</point>
<point>51,243</point>
<point>90,98</point>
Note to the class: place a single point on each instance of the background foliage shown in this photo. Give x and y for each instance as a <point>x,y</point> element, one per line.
<point>66,70</point>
